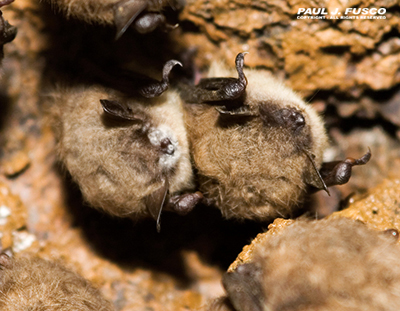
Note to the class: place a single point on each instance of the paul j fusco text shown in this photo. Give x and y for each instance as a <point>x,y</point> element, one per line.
<point>348,13</point>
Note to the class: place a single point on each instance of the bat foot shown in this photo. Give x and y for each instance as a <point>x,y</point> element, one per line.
<point>233,88</point>
<point>339,172</point>
<point>157,88</point>
<point>150,21</point>
<point>184,203</point>
<point>220,89</point>
<point>7,31</point>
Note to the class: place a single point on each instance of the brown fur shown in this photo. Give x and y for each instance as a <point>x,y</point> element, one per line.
<point>248,169</point>
<point>115,163</point>
<point>329,265</point>
<point>36,284</point>
<point>219,304</point>
<point>99,11</point>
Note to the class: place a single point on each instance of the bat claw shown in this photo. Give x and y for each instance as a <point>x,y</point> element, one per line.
<point>157,88</point>
<point>361,161</point>
<point>236,87</point>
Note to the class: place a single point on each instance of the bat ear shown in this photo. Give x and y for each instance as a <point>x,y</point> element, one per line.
<point>244,287</point>
<point>125,12</point>
<point>155,202</point>
<point>120,111</point>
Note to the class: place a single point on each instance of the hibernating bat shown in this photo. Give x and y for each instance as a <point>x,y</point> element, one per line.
<point>326,265</point>
<point>7,32</point>
<point>129,153</point>
<point>257,146</point>
<point>143,15</point>
<point>32,283</point>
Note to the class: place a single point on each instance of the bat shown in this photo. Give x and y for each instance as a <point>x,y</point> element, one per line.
<point>331,264</point>
<point>256,145</point>
<point>33,283</point>
<point>143,15</point>
<point>7,31</point>
<point>128,153</point>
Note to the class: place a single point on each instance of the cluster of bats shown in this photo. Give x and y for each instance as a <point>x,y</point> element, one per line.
<point>239,140</point>
<point>247,145</point>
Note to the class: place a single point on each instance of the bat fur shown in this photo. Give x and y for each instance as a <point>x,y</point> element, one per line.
<point>39,285</point>
<point>120,165</point>
<point>252,166</point>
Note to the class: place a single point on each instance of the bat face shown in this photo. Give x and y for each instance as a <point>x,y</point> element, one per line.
<point>126,154</point>
<point>255,154</point>
<point>37,284</point>
<point>336,264</point>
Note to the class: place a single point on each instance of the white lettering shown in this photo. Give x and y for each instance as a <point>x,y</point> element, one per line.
<point>382,11</point>
<point>335,12</point>
<point>316,11</point>
<point>348,10</point>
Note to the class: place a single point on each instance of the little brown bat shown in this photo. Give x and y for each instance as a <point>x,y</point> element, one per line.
<point>128,153</point>
<point>143,15</point>
<point>257,146</point>
<point>326,265</point>
<point>7,32</point>
<point>32,283</point>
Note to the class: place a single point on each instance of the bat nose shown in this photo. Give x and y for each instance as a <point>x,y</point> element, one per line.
<point>297,119</point>
<point>166,146</point>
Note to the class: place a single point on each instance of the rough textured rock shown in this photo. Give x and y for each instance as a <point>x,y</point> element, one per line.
<point>356,60</point>
<point>379,208</point>
<point>247,253</point>
<point>13,220</point>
